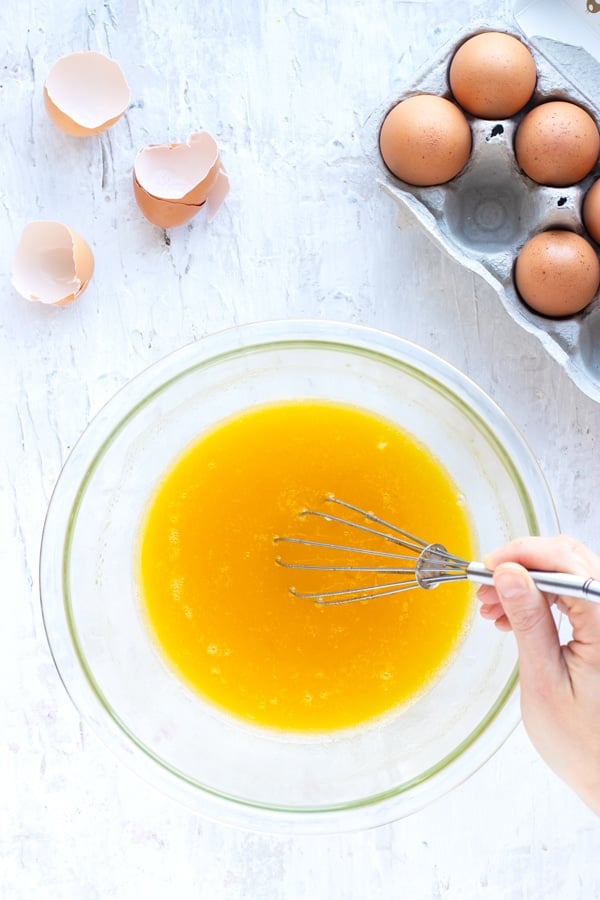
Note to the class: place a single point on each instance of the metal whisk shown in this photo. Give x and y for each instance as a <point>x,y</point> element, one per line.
<point>426,565</point>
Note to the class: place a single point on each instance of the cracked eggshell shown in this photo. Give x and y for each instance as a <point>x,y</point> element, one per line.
<point>171,182</point>
<point>53,264</point>
<point>85,93</point>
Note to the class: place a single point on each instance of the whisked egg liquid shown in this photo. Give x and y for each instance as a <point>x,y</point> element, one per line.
<point>219,606</point>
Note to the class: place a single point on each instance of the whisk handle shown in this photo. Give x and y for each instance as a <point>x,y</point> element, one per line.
<point>559,583</point>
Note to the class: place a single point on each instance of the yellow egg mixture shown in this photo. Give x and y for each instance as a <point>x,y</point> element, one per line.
<point>219,605</point>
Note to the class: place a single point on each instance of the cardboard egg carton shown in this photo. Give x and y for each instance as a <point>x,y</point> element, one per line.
<point>485,215</point>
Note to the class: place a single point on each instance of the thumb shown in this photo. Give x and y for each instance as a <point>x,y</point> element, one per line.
<point>531,620</point>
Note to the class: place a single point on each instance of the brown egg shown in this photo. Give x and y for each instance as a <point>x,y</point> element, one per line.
<point>557,143</point>
<point>425,140</point>
<point>557,273</point>
<point>591,211</point>
<point>492,75</point>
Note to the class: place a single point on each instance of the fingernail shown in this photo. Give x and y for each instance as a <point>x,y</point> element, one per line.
<point>511,584</point>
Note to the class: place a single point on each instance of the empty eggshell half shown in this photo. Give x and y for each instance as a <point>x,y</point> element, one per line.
<point>53,264</point>
<point>171,182</point>
<point>85,93</point>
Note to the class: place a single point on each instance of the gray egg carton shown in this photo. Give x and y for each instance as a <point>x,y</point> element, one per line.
<point>485,215</point>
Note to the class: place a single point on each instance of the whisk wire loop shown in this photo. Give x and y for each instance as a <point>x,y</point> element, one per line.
<point>429,565</point>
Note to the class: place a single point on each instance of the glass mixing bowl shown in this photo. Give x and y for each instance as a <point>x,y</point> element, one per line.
<point>224,769</point>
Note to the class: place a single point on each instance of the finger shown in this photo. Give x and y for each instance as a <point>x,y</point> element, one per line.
<point>494,612</point>
<point>532,622</point>
<point>491,607</point>
<point>487,594</point>
<point>502,623</point>
<point>567,555</point>
<point>491,610</point>
<point>585,620</point>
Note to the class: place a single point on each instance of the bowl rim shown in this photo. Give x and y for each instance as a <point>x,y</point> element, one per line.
<point>79,681</point>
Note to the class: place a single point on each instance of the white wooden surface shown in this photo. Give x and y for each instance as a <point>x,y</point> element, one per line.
<point>287,88</point>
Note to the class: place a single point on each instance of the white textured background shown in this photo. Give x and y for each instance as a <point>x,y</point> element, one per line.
<point>287,88</point>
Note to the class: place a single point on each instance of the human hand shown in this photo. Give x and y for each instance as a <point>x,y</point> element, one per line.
<point>560,685</point>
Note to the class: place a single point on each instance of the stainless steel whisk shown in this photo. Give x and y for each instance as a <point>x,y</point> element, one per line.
<point>427,566</point>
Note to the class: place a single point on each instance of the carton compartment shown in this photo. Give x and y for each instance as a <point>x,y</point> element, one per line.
<point>488,208</point>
